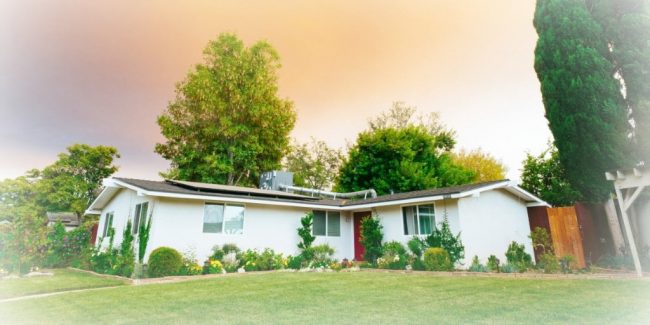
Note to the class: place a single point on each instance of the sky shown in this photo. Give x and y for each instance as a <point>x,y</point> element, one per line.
<point>100,72</point>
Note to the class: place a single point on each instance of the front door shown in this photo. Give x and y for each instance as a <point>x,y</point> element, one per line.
<point>358,248</point>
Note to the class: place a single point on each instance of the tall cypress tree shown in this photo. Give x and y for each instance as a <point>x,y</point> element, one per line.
<point>584,106</point>
<point>626,25</point>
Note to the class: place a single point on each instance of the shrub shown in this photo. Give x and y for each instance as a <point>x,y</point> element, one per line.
<point>248,260</point>
<point>493,263</point>
<point>476,266</point>
<point>542,242</point>
<point>416,246</point>
<point>68,248</point>
<point>295,262</point>
<point>306,237</point>
<point>371,237</point>
<point>230,262</point>
<point>566,262</point>
<point>437,259</point>
<point>164,261</point>
<point>190,265</point>
<point>418,265</point>
<point>518,258</point>
<point>322,255</point>
<point>219,252</point>
<point>394,256</point>
<point>266,260</point>
<point>212,266</point>
<point>508,268</point>
<point>443,238</point>
<point>230,248</point>
<point>126,257</point>
<point>115,261</point>
<point>549,263</point>
<point>143,238</point>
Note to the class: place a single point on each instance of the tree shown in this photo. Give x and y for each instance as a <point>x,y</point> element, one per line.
<point>484,166</point>
<point>584,106</point>
<point>544,176</point>
<point>227,123</point>
<point>19,194</point>
<point>73,182</point>
<point>314,165</point>
<point>626,27</point>
<point>399,160</point>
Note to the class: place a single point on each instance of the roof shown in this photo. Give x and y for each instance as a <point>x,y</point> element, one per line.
<point>69,219</point>
<point>204,191</point>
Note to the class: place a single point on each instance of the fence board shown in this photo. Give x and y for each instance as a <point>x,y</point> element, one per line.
<point>565,232</point>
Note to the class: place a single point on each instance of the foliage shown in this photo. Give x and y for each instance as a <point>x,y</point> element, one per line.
<point>399,160</point>
<point>230,261</point>
<point>518,258</point>
<point>484,166</point>
<point>164,261</point>
<point>444,238</point>
<point>394,256</point>
<point>143,238</point>
<point>306,236</point>
<point>314,165</point>
<point>583,102</point>
<point>549,263</point>
<point>252,260</point>
<point>126,257</point>
<point>493,263</point>
<point>400,116</point>
<point>322,256</point>
<point>566,263</point>
<point>18,197</point>
<point>212,266</point>
<point>541,240</point>
<point>22,243</point>
<point>190,265</point>
<point>509,268</point>
<point>295,262</point>
<point>218,252</point>
<point>437,259</point>
<point>545,177</point>
<point>227,123</point>
<point>68,248</point>
<point>371,237</point>
<point>476,266</point>
<point>417,246</point>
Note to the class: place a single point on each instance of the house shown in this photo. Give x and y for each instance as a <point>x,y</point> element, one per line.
<point>194,217</point>
<point>70,220</point>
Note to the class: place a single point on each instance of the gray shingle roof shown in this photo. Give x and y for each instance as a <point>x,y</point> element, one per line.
<point>243,192</point>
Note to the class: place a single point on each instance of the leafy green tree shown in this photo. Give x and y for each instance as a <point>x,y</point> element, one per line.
<point>75,179</point>
<point>484,166</point>
<point>399,160</point>
<point>626,26</point>
<point>227,123</point>
<point>584,105</point>
<point>18,196</point>
<point>371,238</point>
<point>314,165</point>
<point>544,176</point>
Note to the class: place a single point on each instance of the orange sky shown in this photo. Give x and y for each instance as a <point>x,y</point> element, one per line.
<point>100,72</point>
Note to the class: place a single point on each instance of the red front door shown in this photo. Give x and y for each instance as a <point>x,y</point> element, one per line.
<point>358,248</point>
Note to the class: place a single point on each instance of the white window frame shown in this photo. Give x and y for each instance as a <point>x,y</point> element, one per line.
<point>107,225</point>
<point>223,222</point>
<point>136,225</point>
<point>327,216</point>
<point>417,218</point>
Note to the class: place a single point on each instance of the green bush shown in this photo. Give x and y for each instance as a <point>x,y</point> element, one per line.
<point>295,262</point>
<point>437,259</point>
<point>549,263</point>
<point>190,265</point>
<point>394,256</point>
<point>115,261</point>
<point>252,260</point>
<point>164,261</point>
<point>371,237</point>
<point>566,262</point>
<point>518,258</point>
<point>416,246</point>
<point>68,248</point>
<point>493,264</point>
<point>445,239</point>
<point>508,268</point>
<point>476,266</point>
<point>322,255</point>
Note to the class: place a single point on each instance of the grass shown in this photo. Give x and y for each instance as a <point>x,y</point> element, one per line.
<point>360,297</point>
<point>62,280</point>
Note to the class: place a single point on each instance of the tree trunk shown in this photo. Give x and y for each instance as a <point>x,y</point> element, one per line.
<point>614,226</point>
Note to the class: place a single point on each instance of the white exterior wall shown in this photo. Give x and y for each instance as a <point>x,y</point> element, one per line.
<point>178,223</point>
<point>490,222</point>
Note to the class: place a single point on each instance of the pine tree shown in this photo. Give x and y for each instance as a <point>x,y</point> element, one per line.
<point>583,102</point>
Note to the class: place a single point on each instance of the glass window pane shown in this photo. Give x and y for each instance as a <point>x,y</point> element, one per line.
<point>234,220</point>
<point>426,218</point>
<point>319,223</point>
<point>408,214</point>
<point>213,218</point>
<point>334,223</point>
<point>136,219</point>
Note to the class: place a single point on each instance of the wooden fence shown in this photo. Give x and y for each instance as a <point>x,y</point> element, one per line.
<point>562,225</point>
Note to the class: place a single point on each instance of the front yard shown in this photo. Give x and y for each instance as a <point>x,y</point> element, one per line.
<point>356,297</point>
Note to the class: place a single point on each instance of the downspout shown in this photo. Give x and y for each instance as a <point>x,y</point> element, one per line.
<point>334,195</point>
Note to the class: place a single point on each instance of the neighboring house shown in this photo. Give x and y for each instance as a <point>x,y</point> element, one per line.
<point>191,216</point>
<point>69,219</point>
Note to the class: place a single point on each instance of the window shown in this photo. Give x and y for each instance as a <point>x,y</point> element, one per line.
<point>327,223</point>
<point>221,218</point>
<point>418,219</point>
<point>108,223</point>
<point>140,216</point>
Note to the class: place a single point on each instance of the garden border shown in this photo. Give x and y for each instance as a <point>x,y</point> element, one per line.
<point>525,275</point>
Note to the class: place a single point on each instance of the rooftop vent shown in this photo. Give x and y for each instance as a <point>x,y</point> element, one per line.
<point>273,179</point>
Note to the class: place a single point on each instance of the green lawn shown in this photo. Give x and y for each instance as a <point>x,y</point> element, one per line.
<point>360,297</point>
<point>62,280</point>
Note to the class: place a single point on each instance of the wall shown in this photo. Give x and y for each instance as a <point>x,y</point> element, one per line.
<point>179,224</point>
<point>490,222</point>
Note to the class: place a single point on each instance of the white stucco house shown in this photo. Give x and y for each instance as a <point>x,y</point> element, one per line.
<point>191,216</point>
